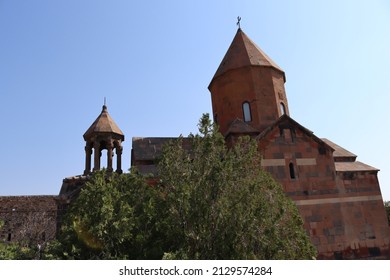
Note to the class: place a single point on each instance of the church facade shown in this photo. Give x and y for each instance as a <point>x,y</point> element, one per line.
<point>338,197</point>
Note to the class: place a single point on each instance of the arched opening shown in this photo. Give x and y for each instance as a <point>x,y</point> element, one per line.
<point>292,170</point>
<point>246,109</point>
<point>103,159</point>
<point>103,155</point>
<point>282,109</point>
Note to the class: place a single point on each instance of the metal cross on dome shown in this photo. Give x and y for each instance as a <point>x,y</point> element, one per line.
<point>238,22</point>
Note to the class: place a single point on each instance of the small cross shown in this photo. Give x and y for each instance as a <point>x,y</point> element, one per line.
<point>238,22</point>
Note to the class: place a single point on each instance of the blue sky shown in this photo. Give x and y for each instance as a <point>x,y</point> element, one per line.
<point>154,60</point>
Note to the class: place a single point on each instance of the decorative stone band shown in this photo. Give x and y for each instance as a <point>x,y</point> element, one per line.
<point>282,162</point>
<point>338,200</point>
<point>273,162</point>
<point>306,161</point>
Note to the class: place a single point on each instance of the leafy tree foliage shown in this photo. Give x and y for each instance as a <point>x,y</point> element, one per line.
<point>114,217</point>
<point>221,204</point>
<point>16,251</point>
<point>21,251</point>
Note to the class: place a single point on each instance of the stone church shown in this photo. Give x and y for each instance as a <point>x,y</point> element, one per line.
<point>338,197</point>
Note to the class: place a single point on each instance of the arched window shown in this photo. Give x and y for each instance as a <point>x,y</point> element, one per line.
<point>282,109</point>
<point>246,109</point>
<point>292,170</point>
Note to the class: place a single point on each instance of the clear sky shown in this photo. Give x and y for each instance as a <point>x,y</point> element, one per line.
<point>154,60</point>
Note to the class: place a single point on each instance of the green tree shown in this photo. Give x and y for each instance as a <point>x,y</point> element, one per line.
<point>221,204</point>
<point>16,251</point>
<point>20,251</point>
<point>114,217</point>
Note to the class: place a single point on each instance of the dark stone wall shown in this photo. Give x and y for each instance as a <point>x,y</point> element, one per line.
<point>28,219</point>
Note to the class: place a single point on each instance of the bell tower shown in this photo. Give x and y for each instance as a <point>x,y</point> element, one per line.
<point>103,134</point>
<point>247,86</point>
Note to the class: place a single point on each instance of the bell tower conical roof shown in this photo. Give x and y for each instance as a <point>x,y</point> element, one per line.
<point>103,124</point>
<point>244,52</point>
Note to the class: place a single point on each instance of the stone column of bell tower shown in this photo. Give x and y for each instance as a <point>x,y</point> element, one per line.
<point>248,86</point>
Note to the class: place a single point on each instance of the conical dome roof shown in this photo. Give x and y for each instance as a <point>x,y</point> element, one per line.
<point>104,124</point>
<point>244,52</point>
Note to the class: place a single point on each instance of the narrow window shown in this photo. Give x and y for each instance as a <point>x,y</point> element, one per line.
<point>246,109</point>
<point>292,171</point>
<point>9,237</point>
<point>282,109</point>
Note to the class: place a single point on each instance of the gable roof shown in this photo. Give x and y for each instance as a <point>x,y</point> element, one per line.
<point>238,126</point>
<point>339,152</point>
<point>354,166</point>
<point>244,52</point>
<point>345,161</point>
<point>150,148</point>
<point>103,124</point>
<point>286,119</point>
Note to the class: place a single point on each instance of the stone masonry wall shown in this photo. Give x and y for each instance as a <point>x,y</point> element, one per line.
<point>28,219</point>
<point>343,212</point>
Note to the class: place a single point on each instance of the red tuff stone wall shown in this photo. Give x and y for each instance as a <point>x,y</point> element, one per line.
<point>261,87</point>
<point>343,212</point>
<point>366,229</point>
<point>287,147</point>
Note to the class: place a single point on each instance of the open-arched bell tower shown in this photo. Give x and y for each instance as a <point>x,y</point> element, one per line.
<point>103,134</point>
